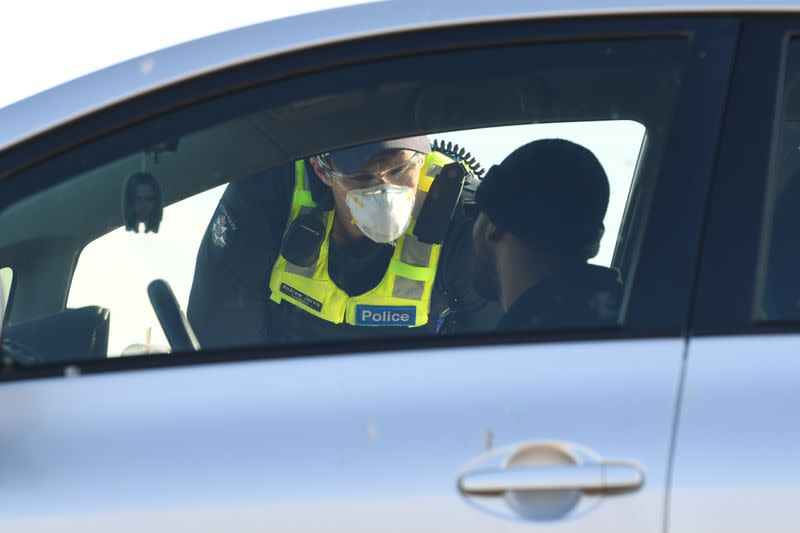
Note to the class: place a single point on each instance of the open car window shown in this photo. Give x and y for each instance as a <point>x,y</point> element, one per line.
<point>111,272</point>
<point>226,186</point>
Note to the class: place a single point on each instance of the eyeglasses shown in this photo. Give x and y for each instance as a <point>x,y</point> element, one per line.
<point>400,174</point>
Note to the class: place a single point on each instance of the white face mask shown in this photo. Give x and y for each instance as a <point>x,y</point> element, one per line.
<point>382,212</point>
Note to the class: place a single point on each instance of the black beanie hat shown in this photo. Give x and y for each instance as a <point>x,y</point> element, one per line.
<point>550,193</point>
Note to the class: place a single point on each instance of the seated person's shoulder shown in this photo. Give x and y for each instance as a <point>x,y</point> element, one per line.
<point>603,288</point>
<point>586,297</point>
<point>591,297</point>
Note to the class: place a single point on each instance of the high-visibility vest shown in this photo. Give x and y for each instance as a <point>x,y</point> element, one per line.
<point>403,296</point>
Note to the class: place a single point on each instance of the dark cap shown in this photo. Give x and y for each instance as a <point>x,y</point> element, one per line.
<point>351,159</point>
<point>551,193</point>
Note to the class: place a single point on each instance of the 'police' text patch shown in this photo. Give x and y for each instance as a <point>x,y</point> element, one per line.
<point>301,297</point>
<point>385,315</point>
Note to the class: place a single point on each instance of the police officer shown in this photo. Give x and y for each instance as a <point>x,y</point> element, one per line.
<point>329,248</point>
<point>541,219</point>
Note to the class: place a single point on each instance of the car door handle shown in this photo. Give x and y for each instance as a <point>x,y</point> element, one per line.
<point>607,477</point>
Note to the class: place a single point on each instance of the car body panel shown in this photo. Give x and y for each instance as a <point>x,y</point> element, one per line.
<point>735,466</point>
<point>351,442</point>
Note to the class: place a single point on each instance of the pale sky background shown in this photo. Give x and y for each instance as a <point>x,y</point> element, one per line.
<point>45,43</point>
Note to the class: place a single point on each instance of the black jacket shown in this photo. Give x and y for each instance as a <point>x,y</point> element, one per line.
<point>229,301</point>
<point>586,296</point>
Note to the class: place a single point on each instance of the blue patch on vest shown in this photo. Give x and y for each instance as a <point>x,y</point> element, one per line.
<point>385,315</point>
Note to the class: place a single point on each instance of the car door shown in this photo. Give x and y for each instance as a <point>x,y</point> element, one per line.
<point>734,468</point>
<point>568,429</point>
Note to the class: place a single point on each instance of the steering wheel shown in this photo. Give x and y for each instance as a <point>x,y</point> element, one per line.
<point>176,327</point>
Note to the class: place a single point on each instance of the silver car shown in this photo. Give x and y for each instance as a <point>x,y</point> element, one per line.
<point>119,413</point>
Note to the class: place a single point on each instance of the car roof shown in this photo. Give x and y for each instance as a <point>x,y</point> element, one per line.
<point>95,91</point>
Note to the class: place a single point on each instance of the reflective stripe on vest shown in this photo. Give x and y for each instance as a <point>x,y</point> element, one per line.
<point>402,298</point>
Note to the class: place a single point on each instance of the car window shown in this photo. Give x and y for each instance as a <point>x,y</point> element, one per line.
<point>114,270</point>
<point>778,287</point>
<point>246,207</point>
<point>110,271</point>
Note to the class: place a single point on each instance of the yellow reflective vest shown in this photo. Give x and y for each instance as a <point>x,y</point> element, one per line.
<point>403,296</point>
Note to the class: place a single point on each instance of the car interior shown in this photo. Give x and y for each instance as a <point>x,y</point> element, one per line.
<point>239,134</point>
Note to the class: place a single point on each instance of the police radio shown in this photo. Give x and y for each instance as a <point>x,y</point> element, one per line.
<point>445,193</point>
<point>440,204</point>
<point>304,238</point>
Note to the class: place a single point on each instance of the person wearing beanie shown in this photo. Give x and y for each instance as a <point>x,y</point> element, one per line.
<point>541,219</point>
